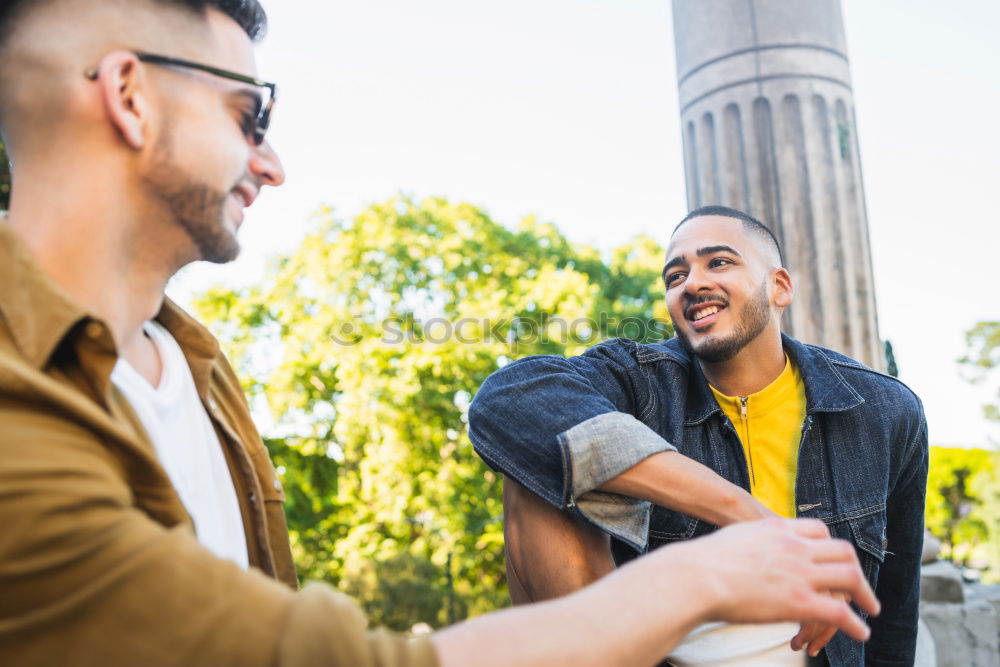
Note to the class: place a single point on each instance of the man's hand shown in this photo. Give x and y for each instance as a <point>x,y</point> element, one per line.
<point>785,569</point>
<point>813,636</point>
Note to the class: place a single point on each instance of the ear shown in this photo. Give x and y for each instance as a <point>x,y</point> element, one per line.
<point>125,93</point>
<point>781,283</point>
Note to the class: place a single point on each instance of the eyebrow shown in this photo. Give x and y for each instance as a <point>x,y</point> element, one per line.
<point>701,252</point>
<point>253,96</point>
<point>712,249</point>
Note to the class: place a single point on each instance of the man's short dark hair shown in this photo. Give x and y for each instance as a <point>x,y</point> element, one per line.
<point>248,14</point>
<point>750,224</point>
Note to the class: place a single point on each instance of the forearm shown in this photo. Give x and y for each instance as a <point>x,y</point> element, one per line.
<point>551,553</point>
<point>608,623</point>
<point>674,481</point>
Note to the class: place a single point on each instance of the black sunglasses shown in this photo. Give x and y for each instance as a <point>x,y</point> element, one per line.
<point>258,128</point>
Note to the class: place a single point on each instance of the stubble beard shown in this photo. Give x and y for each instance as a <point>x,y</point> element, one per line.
<point>754,318</point>
<point>197,208</point>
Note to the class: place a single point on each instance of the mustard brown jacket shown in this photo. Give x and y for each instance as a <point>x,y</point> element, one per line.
<point>99,563</point>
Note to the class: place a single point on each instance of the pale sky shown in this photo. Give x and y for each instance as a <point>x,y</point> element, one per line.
<point>568,109</point>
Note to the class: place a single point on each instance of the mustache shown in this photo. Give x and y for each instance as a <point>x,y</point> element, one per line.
<point>703,298</point>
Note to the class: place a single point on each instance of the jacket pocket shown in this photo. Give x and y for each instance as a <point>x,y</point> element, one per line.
<point>868,535</point>
<point>669,526</point>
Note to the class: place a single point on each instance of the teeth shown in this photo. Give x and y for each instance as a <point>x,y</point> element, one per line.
<point>702,314</point>
<point>241,197</point>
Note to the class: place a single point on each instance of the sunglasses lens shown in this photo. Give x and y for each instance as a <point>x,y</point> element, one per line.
<point>263,120</point>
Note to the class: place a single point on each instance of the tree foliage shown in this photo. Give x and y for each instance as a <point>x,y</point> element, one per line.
<point>367,345</point>
<point>890,359</point>
<point>963,506</point>
<point>982,359</point>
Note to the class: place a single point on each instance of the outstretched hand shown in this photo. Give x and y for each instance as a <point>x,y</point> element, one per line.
<point>786,570</point>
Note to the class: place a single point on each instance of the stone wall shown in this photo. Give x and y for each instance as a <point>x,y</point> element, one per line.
<point>962,619</point>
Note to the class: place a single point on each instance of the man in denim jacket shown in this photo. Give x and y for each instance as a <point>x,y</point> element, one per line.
<point>627,448</point>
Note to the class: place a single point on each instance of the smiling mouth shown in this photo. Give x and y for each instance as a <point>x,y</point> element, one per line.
<point>702,312</point>
<point>244,194</point>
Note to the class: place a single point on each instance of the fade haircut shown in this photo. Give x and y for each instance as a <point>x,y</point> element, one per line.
<point>751,225</point>
<point>248,14</point>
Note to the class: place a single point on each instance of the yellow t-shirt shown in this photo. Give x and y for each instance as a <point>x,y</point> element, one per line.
<point>769,424</point>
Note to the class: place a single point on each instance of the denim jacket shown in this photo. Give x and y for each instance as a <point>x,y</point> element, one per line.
<point>563,427</point>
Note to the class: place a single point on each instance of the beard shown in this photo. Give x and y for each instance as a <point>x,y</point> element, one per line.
<point>753,319</point>
<point>196,207</point>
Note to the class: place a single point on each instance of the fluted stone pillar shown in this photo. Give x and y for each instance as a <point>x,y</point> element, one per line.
<point>767,116</point>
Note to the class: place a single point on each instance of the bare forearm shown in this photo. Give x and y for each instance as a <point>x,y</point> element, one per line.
<point>672,480</point>
<point>607,623</point>
<point>551,553</point>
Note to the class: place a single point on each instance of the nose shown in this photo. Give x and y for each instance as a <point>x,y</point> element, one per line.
<point>698,280</point>
<point>266,165</point>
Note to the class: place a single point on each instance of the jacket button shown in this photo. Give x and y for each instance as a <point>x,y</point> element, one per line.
<point>253,498</point>
<point>277,485</point>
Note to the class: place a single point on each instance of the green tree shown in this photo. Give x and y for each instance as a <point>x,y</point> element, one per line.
<point>368,344</point>
<point>890,360</point>
<point>982,359</point>
<point>963,506</point>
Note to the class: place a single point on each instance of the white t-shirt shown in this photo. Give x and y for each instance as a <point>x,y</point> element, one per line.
<point>729,645</point>
<point>187,446</point>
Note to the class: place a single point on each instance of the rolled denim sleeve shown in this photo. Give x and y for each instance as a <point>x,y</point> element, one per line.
<point>563,427</point>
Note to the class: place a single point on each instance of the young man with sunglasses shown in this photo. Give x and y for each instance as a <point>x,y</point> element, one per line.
<point>142,521</point>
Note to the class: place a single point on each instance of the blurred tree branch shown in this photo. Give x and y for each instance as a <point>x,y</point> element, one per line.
<point>982,358</point>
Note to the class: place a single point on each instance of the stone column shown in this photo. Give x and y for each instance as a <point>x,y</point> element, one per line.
<point>767,116</point>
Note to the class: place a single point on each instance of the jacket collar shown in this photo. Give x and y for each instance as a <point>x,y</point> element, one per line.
<point>41,315</point>
<point>826,388</point>
<point>200,347</point>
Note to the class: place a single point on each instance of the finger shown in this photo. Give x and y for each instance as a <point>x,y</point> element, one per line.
<point>809,528</point>
<point>838,614</point>
<point>834,550</point>
<point>802,637</point>
<point>821,640</point>
<point>807,630</point>
<point>846,578</point>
